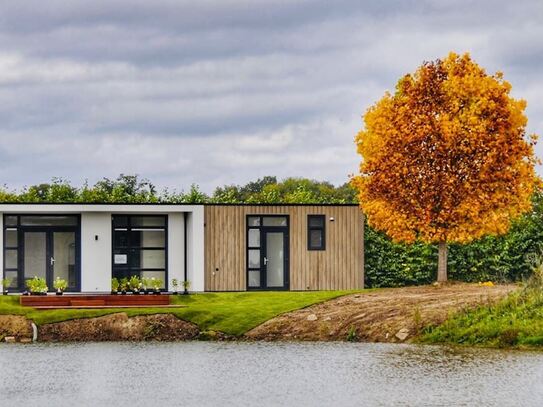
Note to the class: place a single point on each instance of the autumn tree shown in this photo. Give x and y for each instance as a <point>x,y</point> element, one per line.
<point>446,157</point>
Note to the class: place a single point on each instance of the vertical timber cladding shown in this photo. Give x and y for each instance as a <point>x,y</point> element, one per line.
<point>339,267</point>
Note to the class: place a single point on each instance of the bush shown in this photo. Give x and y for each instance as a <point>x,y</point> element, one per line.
<point>499,259</point>
<point>115,285</point>
<point>60,284</point>
<point>134,283</point>
<point>37,285</point>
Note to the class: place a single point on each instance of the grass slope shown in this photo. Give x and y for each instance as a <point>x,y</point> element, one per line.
<point>516,321</point>
<point>231,313</point>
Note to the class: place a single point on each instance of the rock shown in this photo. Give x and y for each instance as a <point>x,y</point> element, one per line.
<point>25,340</point>
<point>327,319</point>
<point>402,334</point>
<point>9,339</point>
<point>311,317</point>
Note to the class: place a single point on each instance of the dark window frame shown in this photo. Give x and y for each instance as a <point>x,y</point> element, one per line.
<point>262,230</point>
<point>128,268</point>
<point>48,229</point>
<point>321,229</point>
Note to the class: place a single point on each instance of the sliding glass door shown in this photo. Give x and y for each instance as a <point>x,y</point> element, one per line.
<point>50,254</point>
<point>45,246</point>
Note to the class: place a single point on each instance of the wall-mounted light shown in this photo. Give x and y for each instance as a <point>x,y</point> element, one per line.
<point>332,219</point>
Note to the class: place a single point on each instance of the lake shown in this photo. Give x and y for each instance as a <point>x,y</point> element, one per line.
<point>266,374</point>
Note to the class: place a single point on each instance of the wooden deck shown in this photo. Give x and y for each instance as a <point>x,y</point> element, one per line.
<point>94,301</point>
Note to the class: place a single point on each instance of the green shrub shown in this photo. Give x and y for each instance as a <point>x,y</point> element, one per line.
<point>37,285</point>
<point>134,283</point>
<point>124,284</point>
<point>60,284</point>
<point>6,283</point>
<point>115,284</point>
<point>156,283</point>
<point>498,259</point>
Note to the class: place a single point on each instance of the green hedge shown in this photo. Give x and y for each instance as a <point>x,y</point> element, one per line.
<point>498,259</point>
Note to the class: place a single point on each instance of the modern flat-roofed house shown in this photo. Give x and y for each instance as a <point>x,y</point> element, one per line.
<point>217,247</point>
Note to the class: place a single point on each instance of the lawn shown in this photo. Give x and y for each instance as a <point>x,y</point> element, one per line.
<point>231,313</point>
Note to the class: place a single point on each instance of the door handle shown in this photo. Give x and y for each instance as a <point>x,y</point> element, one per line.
<point>265,260</point>
<point>52,261</point>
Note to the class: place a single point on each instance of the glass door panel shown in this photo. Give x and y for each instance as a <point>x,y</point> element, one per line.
<point>63,258</point>
<point>35,255</point>
<point>275,259</point>
<point>267,252</point>
<point>254,278</point>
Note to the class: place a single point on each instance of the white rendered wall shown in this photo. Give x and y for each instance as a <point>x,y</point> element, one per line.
<point>1,248</point>
<point>175,249</point>
<point>195,248</point>
<point>95,254</point>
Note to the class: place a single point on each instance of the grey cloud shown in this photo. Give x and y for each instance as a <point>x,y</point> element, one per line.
<point>218,92</point>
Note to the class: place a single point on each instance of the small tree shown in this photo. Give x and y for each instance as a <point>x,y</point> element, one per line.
<point>446,157</point>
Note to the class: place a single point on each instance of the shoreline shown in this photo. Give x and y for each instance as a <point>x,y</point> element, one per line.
<point>394,315</point>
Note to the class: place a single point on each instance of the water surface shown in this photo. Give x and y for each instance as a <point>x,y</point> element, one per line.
<point>266,374</point>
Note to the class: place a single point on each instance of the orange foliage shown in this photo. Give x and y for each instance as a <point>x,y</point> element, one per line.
<point>446,157</point>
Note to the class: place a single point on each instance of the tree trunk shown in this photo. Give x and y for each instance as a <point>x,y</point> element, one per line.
<point>442,262</point>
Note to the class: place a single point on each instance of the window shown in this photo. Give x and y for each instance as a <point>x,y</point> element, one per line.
<point>274,221</point>
<point>140,247</point>
<point>316,233</point>
<point>31,239</point>
<point>48,220</point>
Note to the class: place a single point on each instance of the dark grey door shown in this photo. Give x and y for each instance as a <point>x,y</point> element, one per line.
<point>49,253</point>
<point>267,252</point>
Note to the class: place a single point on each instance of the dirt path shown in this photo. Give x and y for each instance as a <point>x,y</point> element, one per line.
<point>388,315</point>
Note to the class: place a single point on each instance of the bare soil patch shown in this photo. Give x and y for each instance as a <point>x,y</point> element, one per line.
<point>119,327</point>
<point>387,315</point>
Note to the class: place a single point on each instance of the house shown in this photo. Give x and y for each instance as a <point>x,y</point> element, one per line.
<point>217,247</point>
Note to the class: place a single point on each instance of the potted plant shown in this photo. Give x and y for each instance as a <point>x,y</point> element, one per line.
<point>124,285</point>
<point>156,284</point>
<point>60,285</point>
<point>6,282</point>
<point>144,285</point>
<point>175,284</point>
<point>115,286</point>
<point>135,284</point>
<point>186,286</point>
<point>37,286</point>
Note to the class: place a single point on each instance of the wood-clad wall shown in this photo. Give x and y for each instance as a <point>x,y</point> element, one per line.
<point>339,267</point>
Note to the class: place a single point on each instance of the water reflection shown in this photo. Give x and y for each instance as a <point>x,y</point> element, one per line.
<point>266,374</point>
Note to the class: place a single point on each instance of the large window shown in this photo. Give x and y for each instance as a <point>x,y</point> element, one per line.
<point>45,246</point>
<point>140,247</point>
<point>316,232</point>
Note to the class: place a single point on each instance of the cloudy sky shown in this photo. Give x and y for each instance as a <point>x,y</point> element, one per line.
<point>225,91</point>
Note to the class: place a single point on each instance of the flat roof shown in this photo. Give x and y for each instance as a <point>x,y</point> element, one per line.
<point>174,204</point>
